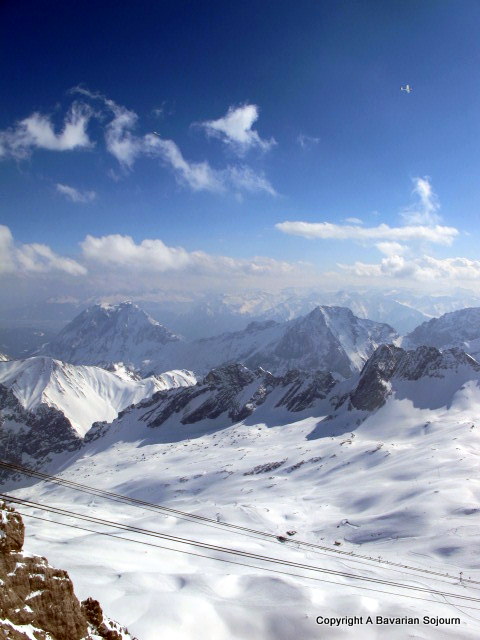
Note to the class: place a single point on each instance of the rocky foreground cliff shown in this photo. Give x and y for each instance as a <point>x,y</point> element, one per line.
<point>37,602</point>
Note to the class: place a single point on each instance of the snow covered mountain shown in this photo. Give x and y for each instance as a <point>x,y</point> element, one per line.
<point>104,333</point>
<point>226,395</point>
<point>217,313</point>
<point>46,406</point>
<point>328,338</point>
<point>83,394</point>
<point>392,371</point>
<point>456,329</point>
<point>378,470</point>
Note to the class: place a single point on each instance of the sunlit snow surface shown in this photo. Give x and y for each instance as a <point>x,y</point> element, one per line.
<point>402,486</point>
<point>84,394</point>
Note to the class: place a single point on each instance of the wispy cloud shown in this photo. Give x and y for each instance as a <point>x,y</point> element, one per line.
<point>199,176</point>
<point>325,230</point>
<point>75,195</point>
<point>307,141</point>
<point>37,131</point>
<point>33,258</point>
<point>354,220</point>
<point>127,147</point>
<point>425,210</point>
<point>245,178</point>
<point>235,129</point>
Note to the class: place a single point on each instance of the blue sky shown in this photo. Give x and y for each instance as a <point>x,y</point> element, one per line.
<point>268,115</point>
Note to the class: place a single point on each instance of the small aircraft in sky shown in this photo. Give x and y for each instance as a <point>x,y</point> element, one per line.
<point>407,88</point>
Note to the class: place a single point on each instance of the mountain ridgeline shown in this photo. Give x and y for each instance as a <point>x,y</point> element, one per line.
<point>41,435</point>
<point>328,338</point>
<point>104,334</point>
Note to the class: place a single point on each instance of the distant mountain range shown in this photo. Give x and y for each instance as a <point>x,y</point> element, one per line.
<point>201,315</point>
<point>459,329</point>
<point>48,407</point>
<point>328,338</point>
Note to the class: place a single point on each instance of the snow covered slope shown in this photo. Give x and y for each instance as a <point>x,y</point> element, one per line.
<point>456,329</point>
<point>46,406</point>
<point>226,395</point>
<point>382,467</point>
<point>104,333</point>
<point>83,394</point>
<point>328,338</point>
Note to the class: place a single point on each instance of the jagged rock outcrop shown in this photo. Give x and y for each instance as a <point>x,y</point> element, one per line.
<point>372,388</point>
<point>37,600</point>
<point>393,363</point>
<point>32,437</point>
<point>233,392</point>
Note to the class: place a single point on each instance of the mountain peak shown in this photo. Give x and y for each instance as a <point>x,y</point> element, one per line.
<point>105,333</point>
<point>390,363</point>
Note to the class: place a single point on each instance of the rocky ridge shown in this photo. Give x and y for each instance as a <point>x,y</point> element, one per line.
<point>390,363</point>
<point>232,392</point>
<point>33,437</point>
<point>38,601</point>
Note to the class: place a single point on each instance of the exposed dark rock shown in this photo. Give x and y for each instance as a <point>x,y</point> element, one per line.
<point>389,362</point>
<point>32,435</point>
<point>236,391</point>
<point>265,468</point>
<point>372,389</point>
<point>304,390</point>
<point>34,593</point>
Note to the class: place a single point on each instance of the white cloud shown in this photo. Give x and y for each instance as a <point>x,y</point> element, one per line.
<point>120,141</point>
<point>199,176</point>
<point>391,248</point>
<point>126,147</point>
<point>75,195</point>
<point>425,211</point>
<point>154,256</point>
<point>7,263</point>
<point>37,131</point>
<point>423,269</point>
<point>326,230</point>
<point>242,177</point>
<point>235,129</point>
<point>307,141</point>
<point>354,220</point>
<point>33,258</point>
